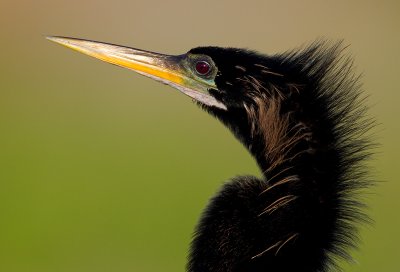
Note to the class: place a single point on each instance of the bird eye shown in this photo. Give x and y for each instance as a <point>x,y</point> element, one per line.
<point>202,67</point>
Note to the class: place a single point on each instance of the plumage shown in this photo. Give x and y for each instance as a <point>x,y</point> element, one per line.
<point>304,122</point>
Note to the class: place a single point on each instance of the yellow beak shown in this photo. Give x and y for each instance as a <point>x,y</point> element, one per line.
<point>165,68</point>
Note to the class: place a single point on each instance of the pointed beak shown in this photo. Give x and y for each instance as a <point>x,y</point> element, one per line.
<point>167,69</point>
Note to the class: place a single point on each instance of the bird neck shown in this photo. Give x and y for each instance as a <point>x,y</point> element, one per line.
<point>279,139</point>
<point>297,201</point>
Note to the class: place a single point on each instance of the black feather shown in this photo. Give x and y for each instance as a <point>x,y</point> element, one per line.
<point>303,214</point>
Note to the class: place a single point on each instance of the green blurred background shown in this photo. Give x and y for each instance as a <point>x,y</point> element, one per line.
<point>105,170</point>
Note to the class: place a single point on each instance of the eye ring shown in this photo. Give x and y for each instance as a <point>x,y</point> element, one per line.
<point>202,67</point>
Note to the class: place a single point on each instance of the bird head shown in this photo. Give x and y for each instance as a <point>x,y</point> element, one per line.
<point>214,77</point>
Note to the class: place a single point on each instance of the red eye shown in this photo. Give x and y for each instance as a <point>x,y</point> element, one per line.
<point>202,67</point>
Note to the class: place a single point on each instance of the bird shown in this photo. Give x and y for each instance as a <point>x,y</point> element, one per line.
<point>301,114</point>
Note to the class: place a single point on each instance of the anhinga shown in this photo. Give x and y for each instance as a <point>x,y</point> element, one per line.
<point>300,115</point>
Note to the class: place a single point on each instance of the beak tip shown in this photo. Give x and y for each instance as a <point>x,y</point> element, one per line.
<point>57,39</point>
<point>51,38</point>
